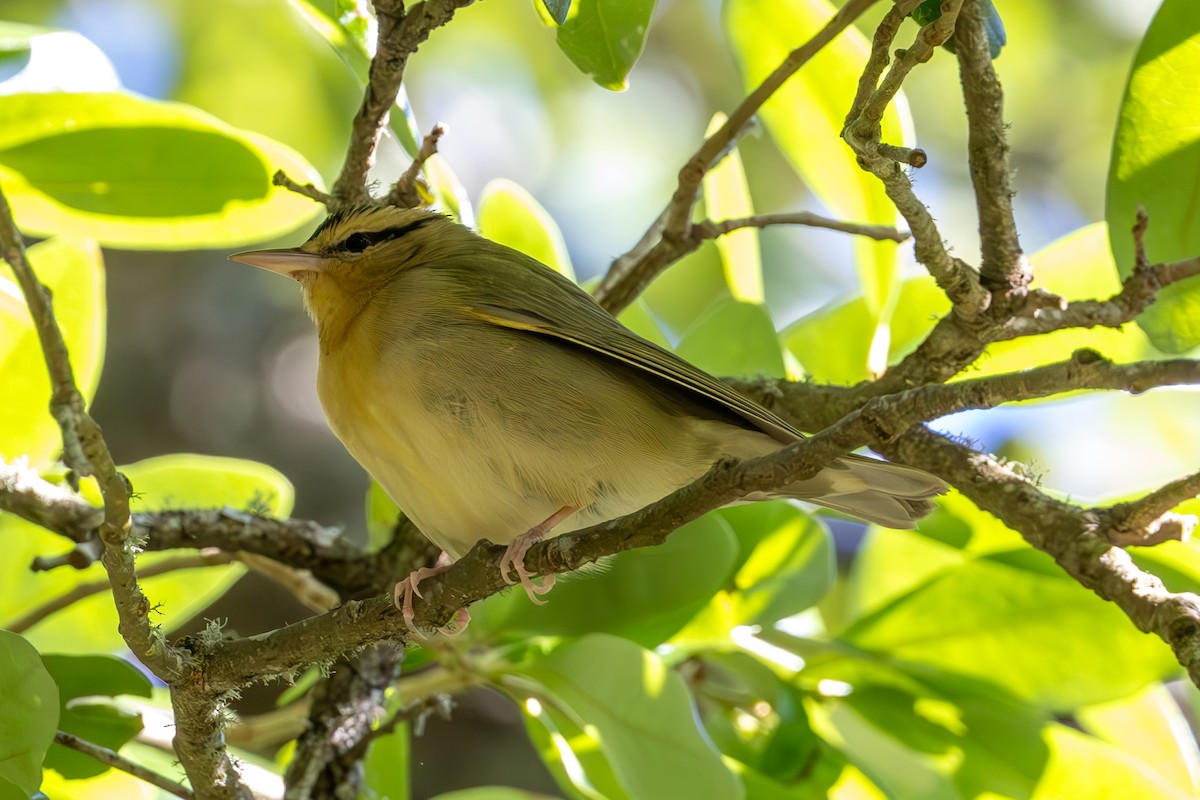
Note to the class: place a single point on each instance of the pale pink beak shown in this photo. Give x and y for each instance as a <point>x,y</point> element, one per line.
<point>286,261</point>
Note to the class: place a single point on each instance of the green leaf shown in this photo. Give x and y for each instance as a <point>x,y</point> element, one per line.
<point>639,713</point>
<point>28,715</point>
<point>489,792</point>
<point>1011,620</point>
<point>692,285</point>
<point>571,754</point>
<point>387,766</point>
<point>74,273</point>
<point>790,567</point>
<point>915,746</point>
<point>832,343</point>
<point>604,38</point>
<point>727,196</point>
<point>1157,143</point>
<point>136,173</point>
<point>511,216</point>
<point>84,684</point>
<point>183,480</point>
<point>644,595</point>
<point>382,516</point>
<point>763,33</point>
<point>558,9</point>
<point>734,338</point>
<point>1150,726</point>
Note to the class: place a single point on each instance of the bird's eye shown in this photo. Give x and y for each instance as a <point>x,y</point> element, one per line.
<point>357,242</point>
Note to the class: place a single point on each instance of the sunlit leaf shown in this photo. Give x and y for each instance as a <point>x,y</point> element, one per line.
<point>511,216</point>
<point>1009,619</point>
<point>727,196</point>
<point>1156,150</point>
<point>604,38</point>
<point>832,343</point>
<point>1149,726</point>
<point>137,173</point>
<point>805,118</point>
<point>790,567</point>
<point>74,273</point>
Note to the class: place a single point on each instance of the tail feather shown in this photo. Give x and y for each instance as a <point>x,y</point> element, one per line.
<point>891,495</point>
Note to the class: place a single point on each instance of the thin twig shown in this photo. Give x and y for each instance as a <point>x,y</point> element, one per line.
<point>666,239</point>
<point>405,192</point>
<point>1004,269</point>
<point>863,130</point>
<point>207,558</point>
<point>1147,521</point>
<point>118,761</point>
<point>1139,290</point>
<point>308,190</point>
<point>401,32</point>
<point>709,229</point>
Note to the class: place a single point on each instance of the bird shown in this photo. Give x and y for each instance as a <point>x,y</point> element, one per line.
<point>491,397</point>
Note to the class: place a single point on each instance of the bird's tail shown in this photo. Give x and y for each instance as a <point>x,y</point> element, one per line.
<point>891,495</point>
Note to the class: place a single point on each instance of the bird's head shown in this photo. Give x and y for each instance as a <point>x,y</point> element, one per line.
<point>354,253</point>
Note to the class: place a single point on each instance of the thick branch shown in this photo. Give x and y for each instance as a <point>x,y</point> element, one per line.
<point>201,747</point>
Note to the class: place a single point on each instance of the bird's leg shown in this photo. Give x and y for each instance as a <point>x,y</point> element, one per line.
<point>514,556</point>
<point>403,597</point>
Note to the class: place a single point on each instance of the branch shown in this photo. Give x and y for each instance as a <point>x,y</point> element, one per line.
<point>308,190</point>
<point>24,493</point>
<point>86,453</point>
<point>400,34</point>
<point>1148,521</point>
<point>1138,292</point>
<point>346,707</point>
<point>1071,535</point>
<point>200,745</point>
<point>118,761</point>
<point>711,230</point>
<point>80,591</point>
<point>863,130</point>
<point>1004,270</point>
<point>666,240</point>
<point>405,192</point>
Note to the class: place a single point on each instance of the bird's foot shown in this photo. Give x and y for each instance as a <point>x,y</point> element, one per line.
<point>513,559</point>
<point>403,597</point>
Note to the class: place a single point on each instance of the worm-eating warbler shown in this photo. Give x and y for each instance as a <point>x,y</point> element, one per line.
<point>493,398</point>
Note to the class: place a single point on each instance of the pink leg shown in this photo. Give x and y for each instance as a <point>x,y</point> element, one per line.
<point>403,597</point>
<point>514,557</point>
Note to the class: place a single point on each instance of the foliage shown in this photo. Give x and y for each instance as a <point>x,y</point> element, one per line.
<point>736,660</point>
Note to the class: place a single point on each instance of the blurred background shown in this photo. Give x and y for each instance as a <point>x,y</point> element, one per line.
<point>212,357</point>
